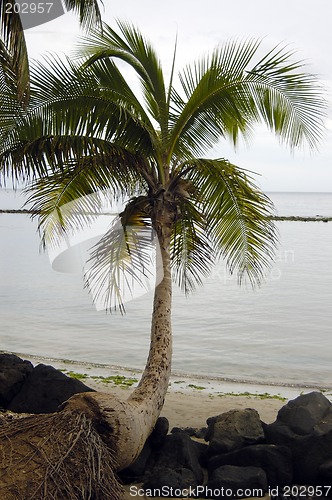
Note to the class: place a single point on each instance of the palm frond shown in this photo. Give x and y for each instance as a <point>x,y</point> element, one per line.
<point>100,96</point>
<point>136,51</point>
<point>123,258</point>
<point>70,116</point>
<point>238,217</point>
<point>13,51</point>
<point>10,109</point>
<point>192,255</point>
<point>87,10</point>
<point>66,201</point>
<point>37,153</point>
<point>287,99</point>
<point>212,106</point>
<point>224,96</point>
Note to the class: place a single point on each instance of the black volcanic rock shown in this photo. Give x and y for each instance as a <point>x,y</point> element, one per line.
<point>44,389</point>
<point>13,373</point>
<point>233,430</point>
<point>304,425</point>
<point>275,460</point>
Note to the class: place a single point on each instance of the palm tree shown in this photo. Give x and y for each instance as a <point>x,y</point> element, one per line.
<point>86,131</point>
<point>14,63</point>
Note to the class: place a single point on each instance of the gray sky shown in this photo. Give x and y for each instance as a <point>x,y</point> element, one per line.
<point>200,25</point>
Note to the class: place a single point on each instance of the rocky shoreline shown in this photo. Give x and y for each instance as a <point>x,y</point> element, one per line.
<point>237,451</point>
<point>240,453</point>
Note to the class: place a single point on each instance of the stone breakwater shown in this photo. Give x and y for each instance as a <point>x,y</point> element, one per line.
<point>297,218</point>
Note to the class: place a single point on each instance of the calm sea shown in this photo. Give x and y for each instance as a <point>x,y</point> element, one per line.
<point>280,333</point>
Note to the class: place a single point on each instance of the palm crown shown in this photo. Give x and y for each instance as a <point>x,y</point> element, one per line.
<point>86,131</point>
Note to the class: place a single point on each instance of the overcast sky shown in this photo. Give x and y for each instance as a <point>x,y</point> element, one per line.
<point>304,25</point>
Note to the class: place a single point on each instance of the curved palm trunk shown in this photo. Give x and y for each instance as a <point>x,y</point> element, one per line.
<point>125,425</point>
<point>151,391</point>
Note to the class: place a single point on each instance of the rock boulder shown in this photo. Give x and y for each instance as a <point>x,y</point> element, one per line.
<point>233,430</point>
<point>304,425</point>
<point>13,373</point>
<point>165,479</point>
<point>237,482</point>
<point>44,389</point>
<point>276,461</point>
<point>178,452</point>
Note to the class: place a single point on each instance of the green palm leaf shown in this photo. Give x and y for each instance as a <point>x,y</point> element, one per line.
<point>238,217</point>
<point>226,97</point>
<point>14,62</point>
<point>13,52</point>
<point>88,12</point>
<point>136,51</point>
<point>287,99</point>
<point>123,256</point>
<point>71,118</point>
<point>192,254</point>
<point>68,200</point>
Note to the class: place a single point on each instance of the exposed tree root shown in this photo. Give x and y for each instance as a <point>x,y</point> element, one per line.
<point>59,456</point>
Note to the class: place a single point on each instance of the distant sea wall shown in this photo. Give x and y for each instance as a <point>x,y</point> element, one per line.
<point>297,218</point>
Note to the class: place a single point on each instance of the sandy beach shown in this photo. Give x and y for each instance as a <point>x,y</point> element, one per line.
<point>187,405</point>
<point>190,400</point>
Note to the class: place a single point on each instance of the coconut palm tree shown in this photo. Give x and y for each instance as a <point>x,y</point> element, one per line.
<point>86,131</point>
<point>14,62</point>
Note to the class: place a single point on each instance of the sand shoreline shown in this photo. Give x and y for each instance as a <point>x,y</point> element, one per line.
<point>81,365</point>
<point>190,399</point>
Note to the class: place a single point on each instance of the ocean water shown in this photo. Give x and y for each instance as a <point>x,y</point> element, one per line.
<point>279,333</point>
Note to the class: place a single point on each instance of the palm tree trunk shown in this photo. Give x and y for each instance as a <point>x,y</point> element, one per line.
<point>152,388</point>
<point>125,425</point>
